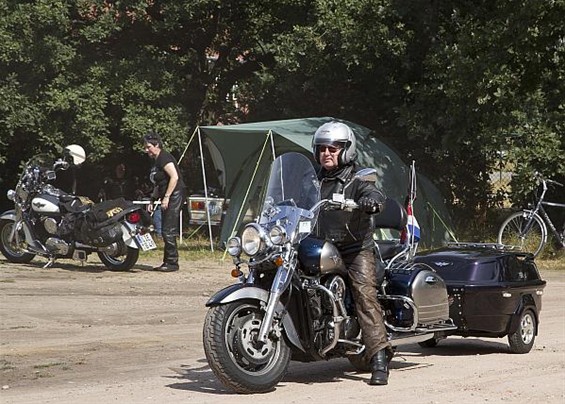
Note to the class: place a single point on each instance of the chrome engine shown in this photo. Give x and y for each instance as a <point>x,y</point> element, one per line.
<point>329,302</point>
<point>50,225</point>
<point>57,246</point>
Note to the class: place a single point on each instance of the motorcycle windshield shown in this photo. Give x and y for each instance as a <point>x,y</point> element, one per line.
<point>42,161</point>
<point>292,192</point>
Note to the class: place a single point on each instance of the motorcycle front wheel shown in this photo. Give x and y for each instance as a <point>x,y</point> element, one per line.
<point>118,256</point>
<point>13,251</point>
<point>231,348</point>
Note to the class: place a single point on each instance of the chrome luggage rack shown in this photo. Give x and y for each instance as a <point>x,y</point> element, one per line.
<point>492,246</point>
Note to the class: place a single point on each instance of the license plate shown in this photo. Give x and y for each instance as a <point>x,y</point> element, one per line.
<point>145,241</point>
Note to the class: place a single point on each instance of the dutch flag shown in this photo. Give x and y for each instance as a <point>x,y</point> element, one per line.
<point>411,233</point>
<point>412,226</point>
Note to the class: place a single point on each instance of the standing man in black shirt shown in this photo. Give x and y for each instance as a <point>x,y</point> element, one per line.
<point>169,187</point>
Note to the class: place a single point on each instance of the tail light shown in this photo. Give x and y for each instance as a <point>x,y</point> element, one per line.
<point>133,217</point>
<point>197,205</point>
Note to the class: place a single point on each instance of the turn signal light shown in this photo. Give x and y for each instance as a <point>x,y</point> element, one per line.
<point>236,273</point>
<point>278,261</point>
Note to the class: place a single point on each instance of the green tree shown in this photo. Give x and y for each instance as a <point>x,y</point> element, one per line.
<point>447,83</point>
<point>453,85</point>
<point>101,73</point>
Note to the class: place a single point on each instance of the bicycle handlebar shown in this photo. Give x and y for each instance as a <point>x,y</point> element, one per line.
<point>554,182</point>
<point>541,178</point>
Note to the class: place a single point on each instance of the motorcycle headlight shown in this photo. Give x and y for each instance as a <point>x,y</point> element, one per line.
<point>233,246</point>
<point>251,240</point>
<point>11,195</point>
<point>277,235</point>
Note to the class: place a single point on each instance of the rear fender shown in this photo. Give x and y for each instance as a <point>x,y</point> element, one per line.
<point>527,302</point>
<point>127,231</point>
<point>245,291</point>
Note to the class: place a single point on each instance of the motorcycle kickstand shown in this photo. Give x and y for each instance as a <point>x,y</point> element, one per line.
<point>49,263</point>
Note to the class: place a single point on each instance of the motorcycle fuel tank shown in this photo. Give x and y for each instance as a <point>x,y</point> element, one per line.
<point>318,257</point>
<point>45,204</point>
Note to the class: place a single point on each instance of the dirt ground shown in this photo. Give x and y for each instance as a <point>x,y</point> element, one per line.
<point>73,334</point>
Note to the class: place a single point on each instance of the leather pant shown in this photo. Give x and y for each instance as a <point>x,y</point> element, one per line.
<point>170,227</point>
<point>363,278</point>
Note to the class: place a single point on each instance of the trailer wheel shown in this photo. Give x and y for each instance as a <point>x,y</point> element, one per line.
<point>522,340</point>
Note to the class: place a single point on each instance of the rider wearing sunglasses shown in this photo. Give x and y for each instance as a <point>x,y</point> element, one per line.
<point>334,147</point>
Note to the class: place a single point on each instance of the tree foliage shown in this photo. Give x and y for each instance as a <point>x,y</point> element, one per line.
<point>454,85</point>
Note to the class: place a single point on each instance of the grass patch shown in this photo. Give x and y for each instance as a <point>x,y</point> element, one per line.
<point>7,281</point>
<point>551,264</point>
<point>49,365</point>
<point>195,248</point>
<point>5,365</point>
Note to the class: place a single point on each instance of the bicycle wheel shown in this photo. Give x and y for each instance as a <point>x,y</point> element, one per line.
<point>528,235</point>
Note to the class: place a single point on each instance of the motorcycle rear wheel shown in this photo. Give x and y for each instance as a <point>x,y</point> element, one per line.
<point>13,251</point>
<point>120,257</point>
<point>229,336</point>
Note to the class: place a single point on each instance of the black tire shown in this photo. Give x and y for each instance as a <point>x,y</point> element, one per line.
<point>511,233</point>
<point>429,343</point>
<point>119,257</point>
<point>12,251</point>
<point>229,334</point>
<point>523,339</point>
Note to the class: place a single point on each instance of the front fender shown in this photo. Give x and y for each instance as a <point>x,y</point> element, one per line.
<point>9,215</point>
<point>238,291</point>
<point>241,291</point>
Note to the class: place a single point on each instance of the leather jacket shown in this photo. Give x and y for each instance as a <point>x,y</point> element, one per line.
<point>350,232</point>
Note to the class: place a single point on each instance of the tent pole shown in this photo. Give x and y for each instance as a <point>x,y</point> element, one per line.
<point>205,190</point>
<point>180,159</point>
<point>274,154</point>
<point>269,134</point>
<point>188,144</point>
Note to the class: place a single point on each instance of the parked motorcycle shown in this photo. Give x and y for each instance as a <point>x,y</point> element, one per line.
<point>295,300</point>
<point>49,222</point>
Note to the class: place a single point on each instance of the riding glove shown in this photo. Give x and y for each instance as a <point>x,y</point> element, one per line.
<point>368,205</point>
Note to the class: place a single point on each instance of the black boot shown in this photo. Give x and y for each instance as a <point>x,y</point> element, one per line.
<point>171,255</point>
<point>379,367</point>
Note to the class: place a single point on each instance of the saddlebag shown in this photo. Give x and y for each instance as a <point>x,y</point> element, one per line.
<point>419,286</point>
<point>100,225</point>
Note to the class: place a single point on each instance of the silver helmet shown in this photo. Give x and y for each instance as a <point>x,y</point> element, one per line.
<point>335,134</point>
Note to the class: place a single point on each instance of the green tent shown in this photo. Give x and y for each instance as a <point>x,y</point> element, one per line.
<point>243,153</point>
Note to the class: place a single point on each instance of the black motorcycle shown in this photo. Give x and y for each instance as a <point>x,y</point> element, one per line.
<point>295,301</point>
<point>49,222</point>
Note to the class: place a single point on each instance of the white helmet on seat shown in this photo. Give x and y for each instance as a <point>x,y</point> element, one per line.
<point>335,134</point>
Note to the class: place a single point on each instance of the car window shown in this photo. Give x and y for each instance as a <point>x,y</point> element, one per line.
<point>519,270</point>
<point>474,272</point>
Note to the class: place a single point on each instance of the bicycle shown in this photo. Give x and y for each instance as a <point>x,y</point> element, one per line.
<point>527,229</point>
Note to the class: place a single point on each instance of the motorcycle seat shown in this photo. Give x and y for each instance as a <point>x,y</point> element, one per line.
<point>75,204</point>
<point>388,248</point>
